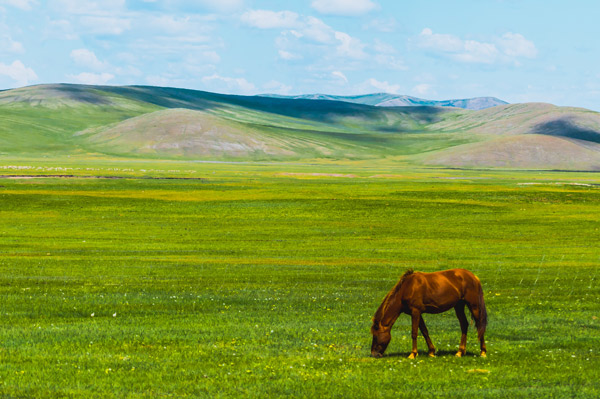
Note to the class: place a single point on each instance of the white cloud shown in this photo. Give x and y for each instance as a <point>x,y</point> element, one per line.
<point>286,55</point>
<point>106,17</point>
<point>425,77</point>
<point>507,48</point>
<point>210,56</point>
<point>90,78</point>
<point>302,34</point>
<point>61,29</point>
<point>389,61</point>
<point>373,84</point>
<point>476,52</point>
<point>339,76</point>
<point>86,58</point>
<point>343,7</point>
<point>322,47</point>
<point>266,19</point>
<point>105,25</point>
<point>25,5</point>
<point>128,70</point>
<point>382,47</point>
<point>89,7</point>
<point>423,89</point>
<point>276,87</point>
<point>385,56</point>
<point>515,45</point>
<point>198,6</point>
<point>308,29</point>
<point>317,30</point>
<point>435,41</point>
<point>313,37</point>
<point>173,45</point>
<point>223,5</point>
<point>174,25</point>
<point>349,46</point>
<point>18,72</point>
<point>8,45</point>
<point>182,59</point>
<point>222,84</point>
<point>385,25</point>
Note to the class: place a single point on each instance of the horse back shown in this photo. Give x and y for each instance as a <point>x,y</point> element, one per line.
<point>439,291</point>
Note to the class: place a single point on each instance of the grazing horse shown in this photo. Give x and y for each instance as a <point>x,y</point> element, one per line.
<point>417,293</point>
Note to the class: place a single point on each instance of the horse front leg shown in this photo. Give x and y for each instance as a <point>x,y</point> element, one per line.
<point>416,317</point>
<point>425,333</point>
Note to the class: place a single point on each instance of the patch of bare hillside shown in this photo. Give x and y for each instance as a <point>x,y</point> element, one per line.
<point>189,133</point>
<point>538,118</point>
<point>531,151</point>
<point>533,135</point>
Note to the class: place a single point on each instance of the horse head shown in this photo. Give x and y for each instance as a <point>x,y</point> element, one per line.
<point>381,339</point>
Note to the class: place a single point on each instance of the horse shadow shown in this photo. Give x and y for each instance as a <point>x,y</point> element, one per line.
<point>424,354</point>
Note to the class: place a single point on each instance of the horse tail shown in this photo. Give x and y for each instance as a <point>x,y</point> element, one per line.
<point>482,312</point>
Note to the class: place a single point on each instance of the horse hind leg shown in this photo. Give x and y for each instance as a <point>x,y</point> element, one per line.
<point>464,326</point>
<point>478,315</point>
<point>425,333</point>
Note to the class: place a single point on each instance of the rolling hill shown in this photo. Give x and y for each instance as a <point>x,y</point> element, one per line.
<point>395,100</point>
<point>169,123</point>
<point>533,135</point>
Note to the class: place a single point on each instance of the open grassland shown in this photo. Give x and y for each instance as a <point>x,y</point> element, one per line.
<point>260,280</point>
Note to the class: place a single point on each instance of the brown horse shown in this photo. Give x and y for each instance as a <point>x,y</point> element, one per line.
<point>417,293</point>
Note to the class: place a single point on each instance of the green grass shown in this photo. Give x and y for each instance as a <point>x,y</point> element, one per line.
<point>254,283</point>
<point>28,130</point>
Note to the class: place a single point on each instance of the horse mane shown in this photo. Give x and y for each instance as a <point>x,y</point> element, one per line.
<point>379,313</point>
<point>407,273</point>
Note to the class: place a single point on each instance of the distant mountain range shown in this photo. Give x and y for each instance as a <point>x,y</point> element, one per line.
<point>396,100</point>
<point>146,122</point>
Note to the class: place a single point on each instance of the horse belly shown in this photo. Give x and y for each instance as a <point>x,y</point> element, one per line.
<point>441,300</point>
<point>435,308</point>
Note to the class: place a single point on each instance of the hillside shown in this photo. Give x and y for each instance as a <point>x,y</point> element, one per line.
<point>169,123</point>
<point>185,133</point>
<point>395,100</point>
<point>522,152</point>
<point>87,119</point>
<point>42,119</point>
<point>533,135</point>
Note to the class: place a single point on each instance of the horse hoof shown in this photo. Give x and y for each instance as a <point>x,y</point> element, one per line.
<point>459,354</point>
<point>412,355</point>
<point>431,354</point>
<point>483,354</point>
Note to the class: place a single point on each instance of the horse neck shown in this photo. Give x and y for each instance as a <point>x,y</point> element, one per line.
<point>390,309</point>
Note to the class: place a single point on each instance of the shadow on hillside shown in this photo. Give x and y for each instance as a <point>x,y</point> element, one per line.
<point>327,111</point>
<point>567,128</point>
<point>424,114</point>
<point>79,93</point>
<point>166,97</point>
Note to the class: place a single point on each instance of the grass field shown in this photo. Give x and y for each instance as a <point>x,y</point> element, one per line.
<point>260,280</point>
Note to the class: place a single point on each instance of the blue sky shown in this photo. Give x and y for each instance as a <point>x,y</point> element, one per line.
<point>516,50</point>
